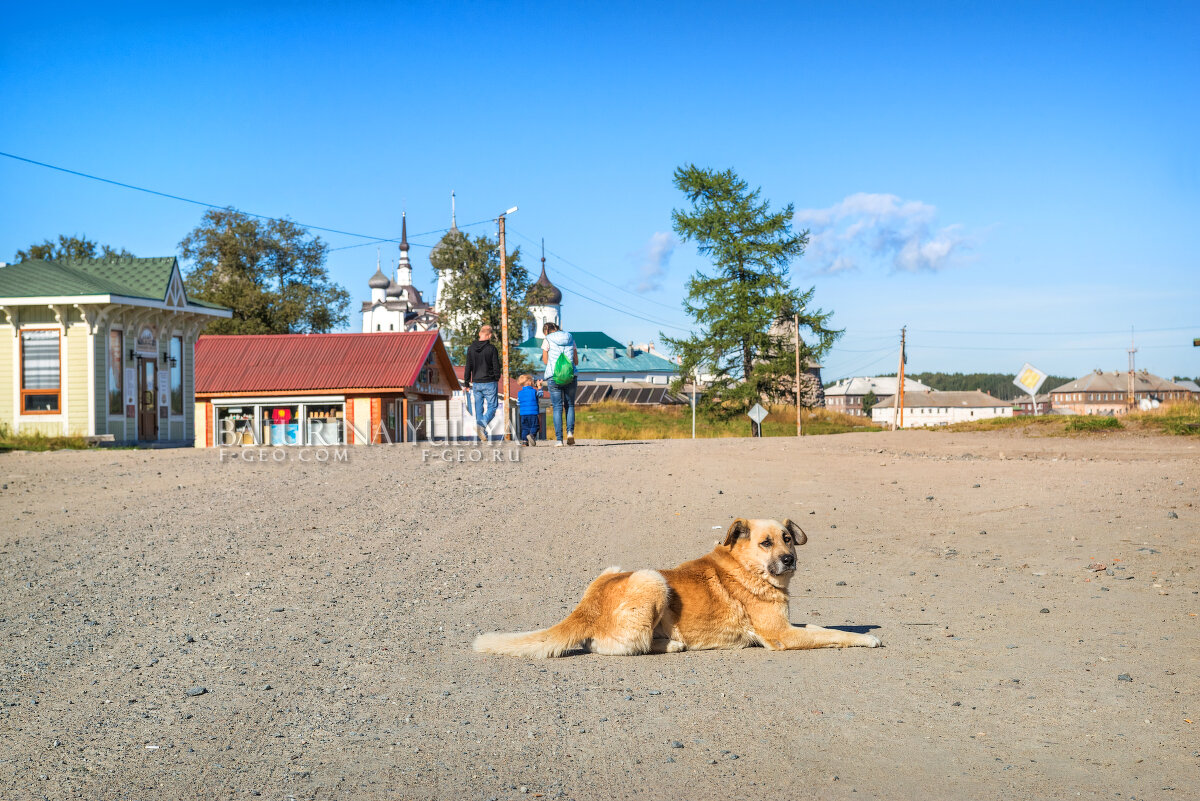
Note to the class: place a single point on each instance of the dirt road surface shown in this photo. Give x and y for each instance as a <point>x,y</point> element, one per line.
<point>178,626</point>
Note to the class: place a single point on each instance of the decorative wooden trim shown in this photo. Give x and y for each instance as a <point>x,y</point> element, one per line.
<point>10,314</point>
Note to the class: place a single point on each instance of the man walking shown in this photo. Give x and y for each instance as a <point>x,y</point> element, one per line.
<point>481,375</point>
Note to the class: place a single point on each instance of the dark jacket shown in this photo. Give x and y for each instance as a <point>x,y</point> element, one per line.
<point>483,363</point>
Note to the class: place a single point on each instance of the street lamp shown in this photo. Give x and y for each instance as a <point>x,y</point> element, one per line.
<point>504,323</point>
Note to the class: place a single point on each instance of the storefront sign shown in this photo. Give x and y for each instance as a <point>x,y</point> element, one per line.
<point>145,342</point>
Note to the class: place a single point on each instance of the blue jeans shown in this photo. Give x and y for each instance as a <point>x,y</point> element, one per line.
<point>482,391</point>
<point>531,424</point>
<point>563,397</point>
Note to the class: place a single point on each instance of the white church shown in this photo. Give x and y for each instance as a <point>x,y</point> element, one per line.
<point>395,304</point>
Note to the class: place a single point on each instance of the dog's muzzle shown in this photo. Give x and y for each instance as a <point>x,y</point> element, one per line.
<point>782,565</point>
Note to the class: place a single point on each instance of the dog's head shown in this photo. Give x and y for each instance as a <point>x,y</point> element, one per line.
<point>766,547</point>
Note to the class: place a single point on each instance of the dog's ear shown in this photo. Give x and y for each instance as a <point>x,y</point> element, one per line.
<point>798,535</point>
<point>739,528</point>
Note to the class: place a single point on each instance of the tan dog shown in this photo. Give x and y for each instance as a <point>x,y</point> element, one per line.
<point>733,597</point>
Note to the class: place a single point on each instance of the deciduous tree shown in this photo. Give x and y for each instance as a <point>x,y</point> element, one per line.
<point>743,308</point>
<point>70,247</point>
<point>270,272</point>
<point>472,294</point>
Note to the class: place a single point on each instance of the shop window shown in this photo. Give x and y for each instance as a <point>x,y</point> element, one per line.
<point>116,372</point>
<point>324,424</point>
<point>40,368</point>
<point>235,426</point>
<point>281,425</point>
<point>176,375</point>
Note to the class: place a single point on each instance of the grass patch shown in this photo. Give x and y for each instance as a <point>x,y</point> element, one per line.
<point>1043,423</point>
<point>37,442</point>
<point>1081,423</point>
<point>1181,418</point>
<point>625,421</point>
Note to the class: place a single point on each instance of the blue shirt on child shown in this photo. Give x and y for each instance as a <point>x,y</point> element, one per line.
<point>527,398</point>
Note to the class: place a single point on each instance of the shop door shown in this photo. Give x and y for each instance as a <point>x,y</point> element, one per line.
<point>147,400</point>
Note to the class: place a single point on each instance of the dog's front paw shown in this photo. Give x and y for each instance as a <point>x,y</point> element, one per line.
<point>871,641</point>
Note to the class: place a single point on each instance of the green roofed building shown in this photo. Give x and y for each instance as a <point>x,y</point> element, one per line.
<point>602,358</point>
<point>97,347</point>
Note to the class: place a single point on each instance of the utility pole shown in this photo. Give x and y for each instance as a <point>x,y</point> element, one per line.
<point>1131,393</point>
<point>899,396</point>
<point>796,319</point>
<point>504,324</point>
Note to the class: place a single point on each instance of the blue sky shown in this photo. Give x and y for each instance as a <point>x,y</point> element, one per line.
<point>1015,183</point>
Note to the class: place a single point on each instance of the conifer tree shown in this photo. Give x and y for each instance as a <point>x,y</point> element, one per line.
<point>743,308</point>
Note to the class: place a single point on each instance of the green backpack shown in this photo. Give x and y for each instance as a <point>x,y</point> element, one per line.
<point>564,371</point>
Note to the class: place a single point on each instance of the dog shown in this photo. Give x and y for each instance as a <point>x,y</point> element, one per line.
<point>733,597</point>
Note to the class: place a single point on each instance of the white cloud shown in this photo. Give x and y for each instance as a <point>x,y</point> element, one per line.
<point>653,258</point>
<point>866,229</point>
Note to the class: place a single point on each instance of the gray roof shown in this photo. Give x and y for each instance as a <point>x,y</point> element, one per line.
<point>1189,385</point>
<point>1118,381</point>
<point>543,292</point>
<point>885,385</point>
<point>378,280</point>
<point>965,400</point>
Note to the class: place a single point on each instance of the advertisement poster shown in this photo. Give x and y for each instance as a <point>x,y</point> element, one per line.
<point>130,387</point>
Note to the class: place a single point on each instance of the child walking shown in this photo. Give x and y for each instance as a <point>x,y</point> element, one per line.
<point>531,418</point>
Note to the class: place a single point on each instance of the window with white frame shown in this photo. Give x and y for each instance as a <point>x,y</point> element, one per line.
<point>40,372</point>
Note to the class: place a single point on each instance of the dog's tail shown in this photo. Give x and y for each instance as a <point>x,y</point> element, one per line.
<point>555,641</point>
<point>543,644</point>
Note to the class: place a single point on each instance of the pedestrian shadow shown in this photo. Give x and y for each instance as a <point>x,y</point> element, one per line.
<point>866,629</point>
<point>614,444</point>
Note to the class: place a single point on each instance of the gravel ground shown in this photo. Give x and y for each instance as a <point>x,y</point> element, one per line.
<point>175,627</point>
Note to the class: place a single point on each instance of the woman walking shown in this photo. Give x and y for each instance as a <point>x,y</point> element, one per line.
<point>558,343</point>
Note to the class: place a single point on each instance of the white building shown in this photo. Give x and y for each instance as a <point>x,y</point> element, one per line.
<point>923,409</point>
<point>545,303</point>
<point>846,395</point>
<point>395,304</point>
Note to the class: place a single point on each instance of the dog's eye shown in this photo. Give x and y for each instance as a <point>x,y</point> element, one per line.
<point>786,538</point>
<point>766,543</point>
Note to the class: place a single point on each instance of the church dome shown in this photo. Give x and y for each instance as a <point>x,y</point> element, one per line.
<point>543,293</point>
<point>394,290</point>
<point>378,280</point>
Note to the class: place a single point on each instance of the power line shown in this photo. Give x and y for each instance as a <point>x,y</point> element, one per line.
<point>193,202</point>
<point>598,278</point>
<point>579,294</point>
<point>1037,348</point>
<point>859,369</point>
<point>414,236</point>
<point>1124,332</point>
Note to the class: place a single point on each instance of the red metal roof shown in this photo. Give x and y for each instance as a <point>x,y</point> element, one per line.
<point>272,363</point>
